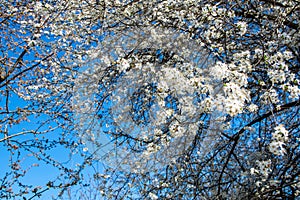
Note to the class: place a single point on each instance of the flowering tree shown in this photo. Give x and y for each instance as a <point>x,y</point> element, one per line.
<point>177,99</point>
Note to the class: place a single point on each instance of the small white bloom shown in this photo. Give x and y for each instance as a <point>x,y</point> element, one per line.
<point>253,108</point>
<point>258,183</point>
<point>243,27</point>
<point>124,65</point>
<point>253,171</point>
<point>85,149</point>
<point>169,112</point>
<point>153,196</point>
<point>280,134</point>
<point>277,148</point>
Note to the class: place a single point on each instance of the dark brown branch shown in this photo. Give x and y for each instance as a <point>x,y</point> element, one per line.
<point>268,114</point>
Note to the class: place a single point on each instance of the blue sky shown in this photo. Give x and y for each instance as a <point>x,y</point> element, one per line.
<point>40,174</point>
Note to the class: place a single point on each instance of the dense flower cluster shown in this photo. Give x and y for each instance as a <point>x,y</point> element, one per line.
<point>279,137</point>
<point>184,88</point>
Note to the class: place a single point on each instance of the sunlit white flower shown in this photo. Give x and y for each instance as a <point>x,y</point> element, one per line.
<point>153,196</point>
<point>242,27</point>
<point>253,171</point>
<point>85,149</point>
<point>280,134</point>
<point>264,167</point>
<point>124,65</point>
<point>219,71</point>
<point>277,148</point>
<point>253,108</point>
